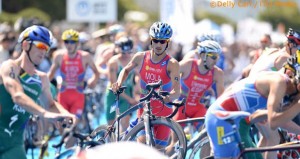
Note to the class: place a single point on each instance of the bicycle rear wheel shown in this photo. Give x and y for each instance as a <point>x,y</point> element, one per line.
<point>103,134</point>
<point>179,147</point>
<point>203,148</point>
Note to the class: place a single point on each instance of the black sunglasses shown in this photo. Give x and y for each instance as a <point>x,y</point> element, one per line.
<point>69,42</point>
<point>159,41</point>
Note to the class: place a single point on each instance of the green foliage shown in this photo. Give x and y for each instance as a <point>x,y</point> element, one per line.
<point>124,6</point>
<point>34,12</point>
<point>200,15</point>
<point>287,15</point>
<point>26,13</point>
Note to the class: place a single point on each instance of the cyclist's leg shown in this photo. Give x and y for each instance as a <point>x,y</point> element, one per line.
<point>245,130</point>
<point>124,105</point>
<point>268,138</point>
<point>216,129</point>
<point>108,103</point>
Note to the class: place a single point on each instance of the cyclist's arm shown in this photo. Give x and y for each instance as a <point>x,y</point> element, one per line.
<point>90,62</point>
<point>135,62</point>
<point>219,79</point>
<point>185,67</point>
<point>9,74</point>
<point>276,116</point>
<point>53,105</point>
<point>55,65</point>
<point>112,76</point>
<point>173,70</point>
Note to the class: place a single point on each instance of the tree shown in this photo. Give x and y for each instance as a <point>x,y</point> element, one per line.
<point>278,14</point>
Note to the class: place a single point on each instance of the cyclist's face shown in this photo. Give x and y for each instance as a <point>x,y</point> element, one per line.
<point>38,51</point>
<point>70,46</point>
<point>159,45</point>
<point>211,59</point>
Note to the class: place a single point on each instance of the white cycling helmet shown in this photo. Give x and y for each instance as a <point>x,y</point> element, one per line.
<point>208,46</point>
<point>211,35</point>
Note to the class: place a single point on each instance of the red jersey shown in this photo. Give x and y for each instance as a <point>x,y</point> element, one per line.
<point>195,84</point>
<point>72,72</point>
<point>153,72</point>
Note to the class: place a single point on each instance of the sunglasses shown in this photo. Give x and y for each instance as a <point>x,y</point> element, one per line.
<point>213,56</point>
<point>69,42</point>
<point>159,41</point>
<point>41,45</point>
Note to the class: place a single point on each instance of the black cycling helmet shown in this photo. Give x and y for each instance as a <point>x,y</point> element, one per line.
<point>125,43</point>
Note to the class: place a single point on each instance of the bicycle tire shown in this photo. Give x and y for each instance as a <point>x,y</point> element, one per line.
<point>182,144</point>
<point>203,147</point>
<point>99,134</point>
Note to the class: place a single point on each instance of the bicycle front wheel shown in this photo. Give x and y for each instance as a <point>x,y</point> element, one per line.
<point>102,134</point>
<point>162,144</point>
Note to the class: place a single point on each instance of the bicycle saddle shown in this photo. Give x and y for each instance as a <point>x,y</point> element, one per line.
<point>225,115</point>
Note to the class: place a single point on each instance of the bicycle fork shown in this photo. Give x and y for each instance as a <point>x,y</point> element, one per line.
<point>148,130</point>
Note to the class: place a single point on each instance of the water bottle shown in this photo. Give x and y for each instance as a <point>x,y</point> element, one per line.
<point>131,125</point>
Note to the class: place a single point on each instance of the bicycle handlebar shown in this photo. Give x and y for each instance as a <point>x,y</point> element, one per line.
<point>119,91</point>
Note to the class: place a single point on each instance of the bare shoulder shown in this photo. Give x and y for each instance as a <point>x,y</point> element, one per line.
<point>113,59</point>
<point>138,57</point>
<point>9,68</point>
<point>218,70</point>
<point>9,64</point>
<point>173,62</point>
<point>84,53</point>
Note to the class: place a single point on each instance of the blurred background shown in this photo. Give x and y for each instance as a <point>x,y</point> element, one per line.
<point>240,27</point>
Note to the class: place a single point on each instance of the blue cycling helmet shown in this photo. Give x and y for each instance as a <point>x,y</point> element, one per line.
<point>208,46</point>
<point>36,33</point>
<point>160,30</point>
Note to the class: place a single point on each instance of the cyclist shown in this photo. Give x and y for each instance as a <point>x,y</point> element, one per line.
<point>265,90</point>
<point>155,65</point>
<point>73,64</point>
<point>272,59</point>
<point>20,86</point>
<point>197,76</point>
<point>115,65</point>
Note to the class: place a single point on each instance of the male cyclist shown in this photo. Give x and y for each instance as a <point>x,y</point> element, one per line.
<point>266,90</point>
<point>73,64</point>
<point>155,65</point>
<point>20,86</point>
<point>273,60</point>
<point>115,65</point>
<point>197,76</point>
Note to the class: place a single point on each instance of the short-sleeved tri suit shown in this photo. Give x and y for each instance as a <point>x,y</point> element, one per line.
<point>243,96</point>
<point>153,72</point>
<point>13,118</point>
<point>110,97</point>
<point>71,95</point>
<point>192,89</point>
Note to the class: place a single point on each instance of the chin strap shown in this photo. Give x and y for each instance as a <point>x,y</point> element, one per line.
<point>204,61</point>
<point>27,52</point>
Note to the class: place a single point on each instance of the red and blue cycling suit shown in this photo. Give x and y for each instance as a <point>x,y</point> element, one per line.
<point>153,72</point>
<point>242,96</point>
<point>192,89</point>
<point>71,93</point>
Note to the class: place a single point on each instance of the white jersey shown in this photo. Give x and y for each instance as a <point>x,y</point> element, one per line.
<point>266,62</point>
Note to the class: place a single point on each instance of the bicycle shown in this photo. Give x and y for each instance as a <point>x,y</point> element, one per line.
<point>234,135</point>
<point>84,142</point>
<point>148,121</point>
<point>200,142</point>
